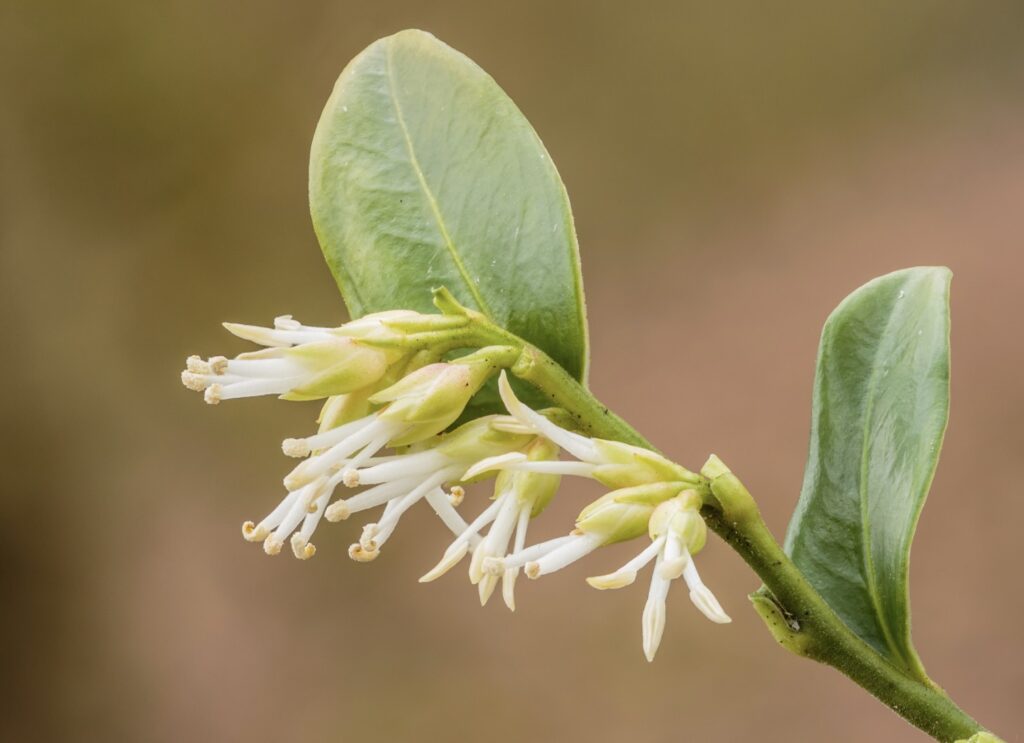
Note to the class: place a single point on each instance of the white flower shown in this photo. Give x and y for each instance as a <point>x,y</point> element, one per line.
<point>612,463</point>
<point>677,533</point>
<point>617,516</point>
<point>396,482</point>
<point>518,497</point>
<point>299,363</point>
<point>420,405</point>
<point>356,367</point>
<point>652,494</point>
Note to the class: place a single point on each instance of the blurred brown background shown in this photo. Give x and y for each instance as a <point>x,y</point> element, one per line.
<point>736,168</point>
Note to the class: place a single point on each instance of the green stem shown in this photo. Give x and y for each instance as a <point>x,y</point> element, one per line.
<point>803,623</point>
<point>795,613</point>
<point>592,417</point>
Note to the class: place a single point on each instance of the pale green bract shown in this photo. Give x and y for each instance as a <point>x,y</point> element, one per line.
<point>423,173</point>
<point>881,401</point>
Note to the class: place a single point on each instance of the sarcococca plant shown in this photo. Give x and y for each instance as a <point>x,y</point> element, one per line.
<point>449,232</point>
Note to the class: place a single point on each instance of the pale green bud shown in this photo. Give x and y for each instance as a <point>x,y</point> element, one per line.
<point>681,517</point>
<point>533,488</point>
<point>338,366</point>
<point>321,365</point>
<point>431,398</point>
<point>376,324</point>
<point>623,465</point>
<point>625,513</point>
<point>341,409</point>
<point>479,439</point>
<point>404,330</point>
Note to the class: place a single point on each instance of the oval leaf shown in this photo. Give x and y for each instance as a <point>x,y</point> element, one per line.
<point>423,173</point>
<point>881,401</point>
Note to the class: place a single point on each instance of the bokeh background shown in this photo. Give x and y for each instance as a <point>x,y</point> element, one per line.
<point>735,168</point>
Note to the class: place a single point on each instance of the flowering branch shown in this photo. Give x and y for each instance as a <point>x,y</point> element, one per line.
<point>388,386</point>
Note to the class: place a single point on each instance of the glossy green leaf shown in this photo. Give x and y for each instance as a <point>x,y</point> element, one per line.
<point>423,173</point>
<point>881,401</point>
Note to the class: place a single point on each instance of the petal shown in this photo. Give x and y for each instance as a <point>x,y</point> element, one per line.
<point>579,446</point>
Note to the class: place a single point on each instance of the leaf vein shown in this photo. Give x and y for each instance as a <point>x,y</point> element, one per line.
<point>869,563</point>
<point>429,194</point>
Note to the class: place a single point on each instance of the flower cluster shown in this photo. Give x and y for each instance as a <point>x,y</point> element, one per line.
<point>387,429</point>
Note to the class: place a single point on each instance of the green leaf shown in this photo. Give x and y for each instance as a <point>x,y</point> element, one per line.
<point>881,402</point>
<point>423,173</point>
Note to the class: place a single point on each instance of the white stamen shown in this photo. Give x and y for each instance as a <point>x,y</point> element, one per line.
<point>498,565</point>
<point>253,387</point>
<point>300,540</point>
<point>298,510</point>
<point>581,546</point>
<point>495,544</point>
<point>193,381</point>
<point>372,497</point>
<point>196,365</point>
<point>359,554</point>
<point>350,475</point>
<point>420,463</point>
<point>199,382</point>
<point>455,495</point>
<point>257,368</point>
<point>324,440</point>
<point>259,532</point>
<point>374,538</point>
<point>338,511</point>
<point>322,463</point>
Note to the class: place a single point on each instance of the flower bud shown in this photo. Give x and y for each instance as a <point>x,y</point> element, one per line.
<point>431,398</point>
<point>535,488</point>
<point>341,409</point>
<point>681,516</point>
<point>376,324</point>
<point>625,513</point>
<point>623,466</point>
<point>319,365</point>
<point>337,367</point>
<point>479,439</point>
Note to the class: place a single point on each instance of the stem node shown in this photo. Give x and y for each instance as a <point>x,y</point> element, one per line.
<point>782,625</point>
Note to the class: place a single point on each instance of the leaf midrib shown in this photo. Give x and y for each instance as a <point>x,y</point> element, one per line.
<point>431,199</point>
<point>869,563</point>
